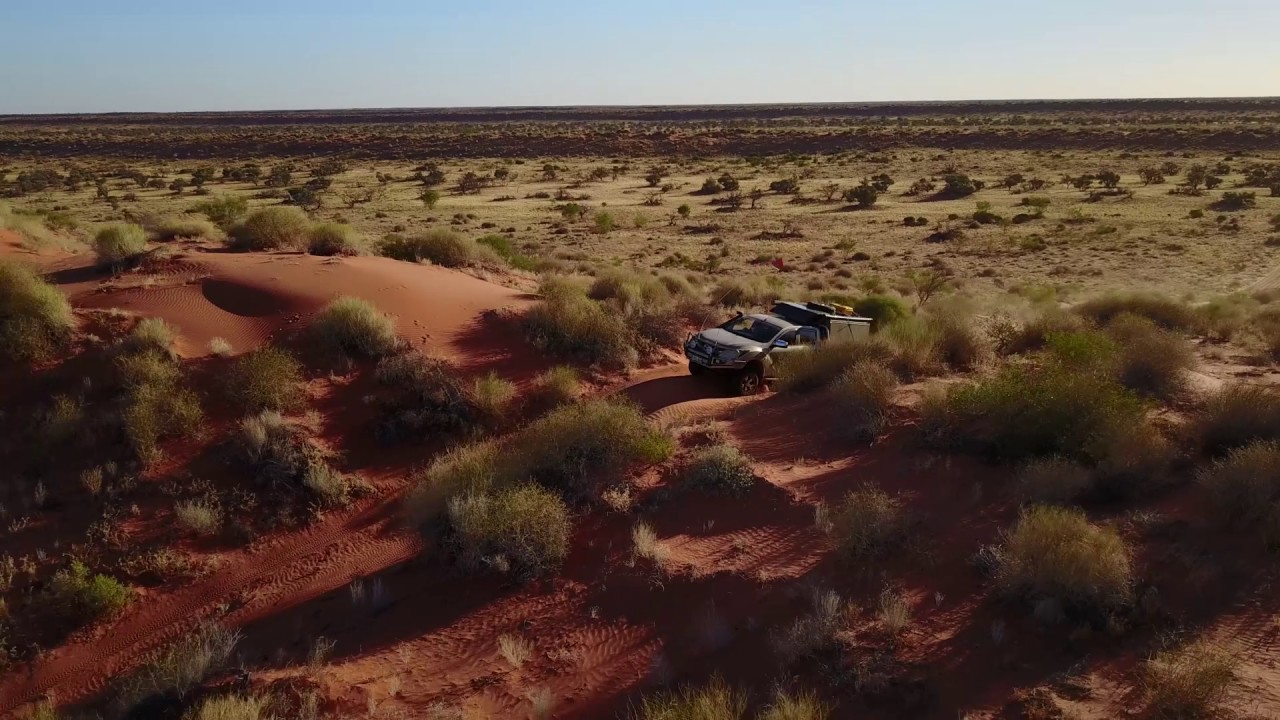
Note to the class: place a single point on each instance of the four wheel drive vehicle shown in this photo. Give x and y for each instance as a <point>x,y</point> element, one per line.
<point>746,347</point>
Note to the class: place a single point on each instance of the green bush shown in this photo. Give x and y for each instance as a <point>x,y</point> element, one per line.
<point>439,246</point>
<point>175,670</point>
<point>225,212</point>
<point>173,228</point>
<point>525,527</point>
<point>199,516</point>
<point>79,596</point>
<point>720,470</point>
<point>867,525</point>
<point>492,398</point>
<point>116,245</point>
<point>956,341</point>
<point>604,222</point>
<point>1054,554</point>
<point>1165,312</point>
<point>426,395</point>
<point>1034,334</point>
<point>156,405</point>
<point>35,319</point>
<point>716,701</point>
<point>1022,413</point>
<point>334,239</point>
<point>501,245</point>
<point>915,345</point>
<point>353,327</point>
<point>466,469</point>
<point>1244,488</point>
<point>823,365</point>
<point>863,394</point>
<point>266,379</point>
<point>883,310</point>
<point>1236,416</point>
<point>271,228</point>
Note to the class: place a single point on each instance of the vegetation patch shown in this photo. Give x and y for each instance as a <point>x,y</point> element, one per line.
<point>720,470</point>
<point>334,239</point>
<point>35,319</point>
<point>1192,681</point>
<point>118,245</point>
<point>355,328</point>
<point>268,378</point>
<point>866,526</point>
<point>282,459</point>
<point>425,396</point>
<point>440,246</point>
<point>271,228</point>
<point>525,528</point>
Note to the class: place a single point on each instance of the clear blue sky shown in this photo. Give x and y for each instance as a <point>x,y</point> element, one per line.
<point>153,55</point>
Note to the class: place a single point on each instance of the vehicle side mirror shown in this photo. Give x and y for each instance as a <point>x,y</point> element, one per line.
<point>781,343</point>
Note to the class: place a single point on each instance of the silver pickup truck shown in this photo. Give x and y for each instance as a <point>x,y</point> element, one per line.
<point>745,347</point>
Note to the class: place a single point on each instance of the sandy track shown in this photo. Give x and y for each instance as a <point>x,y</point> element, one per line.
<point>287,571</point>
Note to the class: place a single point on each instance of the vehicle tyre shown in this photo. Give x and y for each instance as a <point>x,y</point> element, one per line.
<point>749,381</point>
<point>695,369</point>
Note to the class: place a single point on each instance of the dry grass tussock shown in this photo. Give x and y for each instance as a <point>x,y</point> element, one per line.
<point>1053,481</point>
<point>354,328</point>
<point>268,378</point>
<point>1055,554</point>
<point>720,470</point>
<point>716,700</point>
<point>334,239</point>
<point>1236,416</point>
<point>35,319</point>
<point>524,528</point>
<point>174,671</point>
<point>233,707</point>
<point>182,227</point>
<point>1189,682</point>
<point>270,228</point>
<point>801,705</point>
<point>438,246</point>
<point>1160,310</point>
<point>1244,489</point>
<point>864,395</point>
<point>157,405</point>
<point>283,459</point>
<point>807,371</point>
<point>867,525</point>
<point>116,245</point>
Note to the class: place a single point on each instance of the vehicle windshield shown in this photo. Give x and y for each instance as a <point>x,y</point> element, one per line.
<point>752,328</point>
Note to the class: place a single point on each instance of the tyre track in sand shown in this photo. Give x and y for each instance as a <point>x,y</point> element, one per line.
<point>287,571</point>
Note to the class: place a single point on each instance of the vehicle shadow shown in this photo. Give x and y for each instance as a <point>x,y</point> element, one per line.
<point>654,395</point>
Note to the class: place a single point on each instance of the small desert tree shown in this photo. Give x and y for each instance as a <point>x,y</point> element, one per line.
<point>864,195</point>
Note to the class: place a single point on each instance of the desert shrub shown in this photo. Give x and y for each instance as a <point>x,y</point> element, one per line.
<point>116,245</point>
<point>1022,413</point>
<point>270,228</point>
<point>353,327</point>
<point>604,222</point>
<point>720,470</point>
<point>232,707</point>
<point>151,335</point>
<point>80,596</point>
<point>492,398</point>
<point>1150,360</point>
<point>266,379</point>
<point>1236,200</point>
<point>957,343</point>
<point>867,525</point>
<point>439,246</point>
<point>334,239</point>
<point>570,325</point>
<point>883,310</point>
<point>558,386</point>
<point>526,527</point>
<point>864,195</point>
<point>427,396</point>
<point>1244,488</point>
<point>199,516</point>
<point>1035,333</point>
<point>468,469</point>
<point>174,671</point>
<point>824,364</point>
<point>914,341</point>
<point>627,287</point>
<point>1236,416</point>
<point>715,701</point>
<point>864,394</point>
<point>225,211</point>
<point>35,319</point>
<point>577,448</point>
<point>1053,481</point>
<point>1165,312</point>
<point>1192,681</point>
<point>1054,554</point>
<point>167,229</point>
<point>956,185</point>
<point>281,458</point>
<point>156,405</point>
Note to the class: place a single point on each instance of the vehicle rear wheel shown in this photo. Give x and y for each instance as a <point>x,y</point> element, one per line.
<point>749,381</point>
<point>696,369</point>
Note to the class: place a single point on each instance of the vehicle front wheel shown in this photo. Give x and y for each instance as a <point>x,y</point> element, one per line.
<point>749,381</point>
<point>696,369</point>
